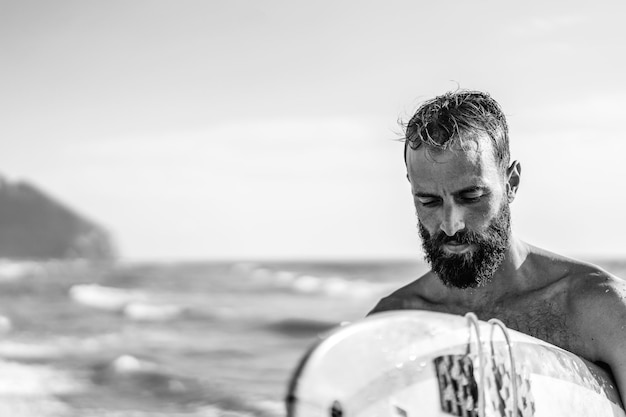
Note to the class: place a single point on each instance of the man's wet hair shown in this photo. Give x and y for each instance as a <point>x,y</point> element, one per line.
<point>440,122</point>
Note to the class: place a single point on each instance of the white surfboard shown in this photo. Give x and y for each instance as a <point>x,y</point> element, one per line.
<point>419,363</point>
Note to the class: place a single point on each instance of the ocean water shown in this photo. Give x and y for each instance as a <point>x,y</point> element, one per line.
<point>177,339</point>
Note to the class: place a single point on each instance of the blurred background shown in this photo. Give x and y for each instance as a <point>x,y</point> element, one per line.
<point>192,191</point>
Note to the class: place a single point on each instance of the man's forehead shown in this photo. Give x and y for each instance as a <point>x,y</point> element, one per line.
<point>472,163</point>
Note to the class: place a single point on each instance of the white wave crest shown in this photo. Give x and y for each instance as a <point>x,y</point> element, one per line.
<point>336,286</point>
<point>105,298</point>
<point>152,312</point>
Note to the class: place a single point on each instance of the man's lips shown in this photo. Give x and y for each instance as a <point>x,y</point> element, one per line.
<point>456,247</point>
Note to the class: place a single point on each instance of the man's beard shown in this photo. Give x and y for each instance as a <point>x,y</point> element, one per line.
<point>473,268</point>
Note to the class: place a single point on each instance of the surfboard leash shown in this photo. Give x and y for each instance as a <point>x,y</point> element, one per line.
<point>505,331</point>
<point>473,323</point>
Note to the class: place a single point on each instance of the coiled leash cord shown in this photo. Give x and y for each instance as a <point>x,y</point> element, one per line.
<point>497,323</point>
<point>473,323</point>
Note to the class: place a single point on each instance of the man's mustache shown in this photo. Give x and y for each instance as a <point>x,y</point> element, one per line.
<point>460,237</point>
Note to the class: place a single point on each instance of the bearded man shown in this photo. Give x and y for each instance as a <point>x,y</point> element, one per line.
<point>458,164</point>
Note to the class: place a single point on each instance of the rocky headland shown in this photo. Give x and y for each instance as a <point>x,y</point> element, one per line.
<point>35,226</point>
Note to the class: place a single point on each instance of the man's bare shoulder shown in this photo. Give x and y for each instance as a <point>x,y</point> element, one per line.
<point>597,313</point>
<point>409,297</point>
<point>544,259</point>
<point>588,286</point>
<point>597,298</point>
<point>547,267</point>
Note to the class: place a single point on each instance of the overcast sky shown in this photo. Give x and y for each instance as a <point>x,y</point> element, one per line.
<point>266,129</point>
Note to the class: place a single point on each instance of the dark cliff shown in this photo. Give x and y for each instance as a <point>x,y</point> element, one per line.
<point>33,225</point>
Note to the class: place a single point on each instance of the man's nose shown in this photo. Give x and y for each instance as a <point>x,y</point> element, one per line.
<point>452,220</point>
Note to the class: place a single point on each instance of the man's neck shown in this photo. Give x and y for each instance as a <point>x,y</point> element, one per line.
<point>508,279</point>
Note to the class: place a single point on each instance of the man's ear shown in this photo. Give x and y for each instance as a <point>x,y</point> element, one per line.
<point>513,174</point>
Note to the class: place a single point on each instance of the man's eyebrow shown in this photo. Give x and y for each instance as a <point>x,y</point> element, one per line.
<point>466,190</point>
<point>426,195</point>
<point>471,189</point>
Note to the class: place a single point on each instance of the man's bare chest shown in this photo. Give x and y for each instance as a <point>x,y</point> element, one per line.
<point>543,316</point>
<point>544,319</point>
